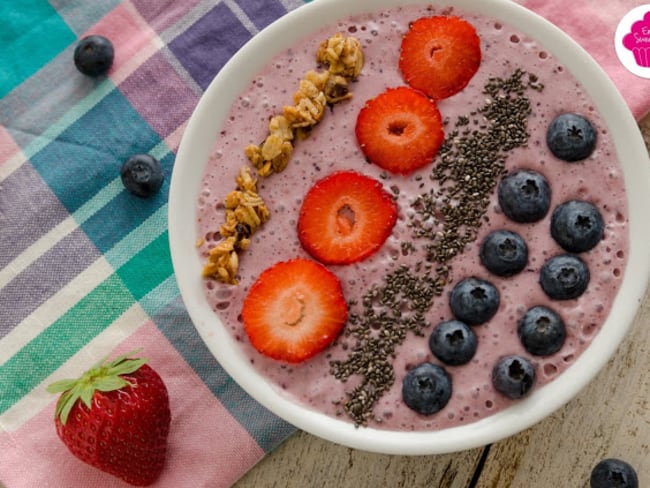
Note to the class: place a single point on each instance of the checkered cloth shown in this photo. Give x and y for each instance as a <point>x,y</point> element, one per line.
<point>85,269</point>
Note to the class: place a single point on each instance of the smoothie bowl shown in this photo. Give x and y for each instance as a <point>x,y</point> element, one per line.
<point>403,265</point>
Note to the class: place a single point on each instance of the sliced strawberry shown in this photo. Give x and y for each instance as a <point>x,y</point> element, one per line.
<point>294,310</point>
<point>400,130</point>
<point>439,55</point>
<point>345,217</point>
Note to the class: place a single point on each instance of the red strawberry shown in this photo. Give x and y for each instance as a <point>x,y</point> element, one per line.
<point>116,418</point>
<point>400,130</point>
<point>439,55</point>
<point>345,217</point>
<point>294,310</point>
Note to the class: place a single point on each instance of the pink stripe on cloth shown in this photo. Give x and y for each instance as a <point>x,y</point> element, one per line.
<point>130,35</point>
<point>207,446</point>
<point>7,145</point>
<point>593,25</point>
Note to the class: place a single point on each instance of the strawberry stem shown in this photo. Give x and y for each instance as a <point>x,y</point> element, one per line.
<point>104,376</point>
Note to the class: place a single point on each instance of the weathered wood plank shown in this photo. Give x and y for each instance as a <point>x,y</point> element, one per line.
<point>307,461</point>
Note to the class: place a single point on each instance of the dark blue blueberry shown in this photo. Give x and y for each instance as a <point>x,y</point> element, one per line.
<point>142,175</point>
<point>524,196</point>
<point>564,277</point>
<point>542,331</point>
<point>577,226</point>
<point>613,473</point>
<point>453,342</point>
<point>513,376</point>
<point>426,388</point>
<point>474,301</point>
<point>504,253</point>
<point>571,137</point>
<point>93,55</point>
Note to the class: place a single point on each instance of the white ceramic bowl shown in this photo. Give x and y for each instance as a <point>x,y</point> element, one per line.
<point>192,157</point>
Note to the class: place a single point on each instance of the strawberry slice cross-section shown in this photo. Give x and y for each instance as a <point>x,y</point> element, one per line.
<point>345,217</point>
<point>294,310</point>
<point>400,130</point>
<point>439,55</point>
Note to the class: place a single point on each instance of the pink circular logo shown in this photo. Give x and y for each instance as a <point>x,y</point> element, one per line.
<point>633,41</point>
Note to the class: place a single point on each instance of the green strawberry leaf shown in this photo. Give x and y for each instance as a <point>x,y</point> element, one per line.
<point>64,405</point>
<point>125,366</point>
<point>110,383</point>
<point>104,376</point>
<point>60,386</point>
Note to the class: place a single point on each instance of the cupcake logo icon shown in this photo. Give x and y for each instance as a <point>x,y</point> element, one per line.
<point>633,41</point>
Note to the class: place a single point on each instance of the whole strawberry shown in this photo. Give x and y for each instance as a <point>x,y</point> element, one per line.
<point>116,418</point>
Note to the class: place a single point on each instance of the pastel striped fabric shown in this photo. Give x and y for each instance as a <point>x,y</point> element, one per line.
<point>85,266</point>
<point>85,269</point>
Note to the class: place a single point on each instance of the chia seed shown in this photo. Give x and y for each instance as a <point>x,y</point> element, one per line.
<point>388,312</point>
<point>469,165</point>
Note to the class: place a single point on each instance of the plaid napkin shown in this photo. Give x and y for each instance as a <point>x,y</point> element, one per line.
<point>85,269</point>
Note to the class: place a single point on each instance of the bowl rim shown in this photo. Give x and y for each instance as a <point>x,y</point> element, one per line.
<point>197,143</point>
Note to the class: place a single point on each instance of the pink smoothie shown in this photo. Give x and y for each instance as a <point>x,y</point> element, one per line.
<point>332,146</point>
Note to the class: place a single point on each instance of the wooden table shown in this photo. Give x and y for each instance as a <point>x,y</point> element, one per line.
<point>609,418</point>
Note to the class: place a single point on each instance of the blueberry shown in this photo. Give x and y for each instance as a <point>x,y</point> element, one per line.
<point>577,226</point>
<point>93,55</point>
<point>613,473</point>
<point>513,376</point>
<point>453,342</point>
<point>571,137</point>
<point>504,253</point>
<point>426,388</point>
<point>142,175</point>
<point>524,196</point>
<point>564,277</point>
<point>542,331</point>
<point>474,301</point>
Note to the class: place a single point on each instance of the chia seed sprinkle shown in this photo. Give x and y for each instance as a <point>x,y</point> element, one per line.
<point>469,165</point>
<point>446,218</point>
<point>388,312</point>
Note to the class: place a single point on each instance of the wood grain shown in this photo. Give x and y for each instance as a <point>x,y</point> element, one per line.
<point>305,461</point>
<point>609,418</point>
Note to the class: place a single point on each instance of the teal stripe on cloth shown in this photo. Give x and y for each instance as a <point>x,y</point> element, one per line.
<point>148,268</point>
<point>90,316</point>
<point>89,160</point>
<point>61,340</point>
<point>32,34</point>
<point>141,236</point>
<point>157,299</point>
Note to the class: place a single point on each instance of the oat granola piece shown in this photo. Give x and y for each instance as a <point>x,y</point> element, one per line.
<point>344,58</point>
<point>245,209</point>
<point>309,108</point>
<point>342,55</point>
<point>245,213</point>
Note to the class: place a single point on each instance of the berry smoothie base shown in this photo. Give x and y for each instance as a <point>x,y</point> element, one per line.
<point>407,252</point>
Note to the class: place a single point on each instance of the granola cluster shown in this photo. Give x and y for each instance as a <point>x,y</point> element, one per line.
<point>245,209</point>
<point>344,58</point>
<point>245,213</point>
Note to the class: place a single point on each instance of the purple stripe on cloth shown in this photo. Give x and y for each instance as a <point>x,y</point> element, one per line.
<point>43,278</point>
<point>206,45</point>
<point>262,12</point>
<point>28,210</point>
<point>167,106</point>
<point>160,14</point>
